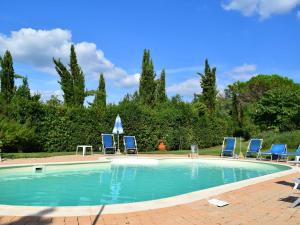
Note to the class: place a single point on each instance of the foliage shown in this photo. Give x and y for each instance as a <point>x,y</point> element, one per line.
<point>66,82</point>
<point>279,109</point>
<point>290,138</point>
<point>78,79</point>
<point>255,104</point>
<point>7,77</point>
<point>71,81</point>
<point>258,85</point>
<point>248,109</point>
<point>147,80</point>
<point>23,91</point>
<point>16,136</point>
<point>161,95</point>
<point>100,98</point>
<point>63,128</point>
<point>209,88</point>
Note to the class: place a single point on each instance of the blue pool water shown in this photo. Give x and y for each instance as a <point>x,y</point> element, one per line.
<point>120,181</point>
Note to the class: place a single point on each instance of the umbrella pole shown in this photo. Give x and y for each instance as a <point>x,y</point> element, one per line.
<point>118,144</point>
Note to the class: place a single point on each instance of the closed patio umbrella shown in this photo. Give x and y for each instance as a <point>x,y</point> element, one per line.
<point>118,129</point>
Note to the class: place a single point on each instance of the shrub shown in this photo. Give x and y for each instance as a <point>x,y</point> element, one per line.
<point>291,138</point>
<point>16,136</point>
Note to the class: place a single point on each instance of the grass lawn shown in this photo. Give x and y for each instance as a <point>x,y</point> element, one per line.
<point>18,155</point>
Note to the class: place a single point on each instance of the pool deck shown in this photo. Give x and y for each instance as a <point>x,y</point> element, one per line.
<point>264,203</point>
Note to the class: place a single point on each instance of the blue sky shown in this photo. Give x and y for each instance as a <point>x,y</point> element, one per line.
<point>241,38</point>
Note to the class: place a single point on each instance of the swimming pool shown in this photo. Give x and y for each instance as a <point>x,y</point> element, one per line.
<point>122,180</point>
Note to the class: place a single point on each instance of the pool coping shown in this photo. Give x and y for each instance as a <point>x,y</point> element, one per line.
<point>46,211</point>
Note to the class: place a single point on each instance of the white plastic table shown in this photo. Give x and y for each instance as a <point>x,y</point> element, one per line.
<point>84,148</point>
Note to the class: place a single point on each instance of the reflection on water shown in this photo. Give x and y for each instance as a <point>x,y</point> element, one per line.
<point>117,183</point>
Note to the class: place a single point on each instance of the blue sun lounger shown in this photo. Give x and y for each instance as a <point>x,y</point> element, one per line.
<point>295,153</point>
<point>254,147</point>
<point>278,150</point>
<point>130,144</point>
<point>228,146</point>
<point>108,143</point>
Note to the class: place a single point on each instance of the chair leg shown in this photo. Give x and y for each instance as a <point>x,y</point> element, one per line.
<point>295,203</point>
<point>296,185</point>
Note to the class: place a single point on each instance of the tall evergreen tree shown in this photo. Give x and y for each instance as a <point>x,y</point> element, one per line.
<point>100,98</point>
<point>24,91</point>
<point>235,91</point>
<point>209,88</point>
<point>78,78</point>
<point>72,81</point>
<point>161,88</point>
<point>7,77</point>
<point>66,82</point>
<point>147,80</point>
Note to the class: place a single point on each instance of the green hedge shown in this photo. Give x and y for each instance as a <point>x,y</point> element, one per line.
<point>58,128</point>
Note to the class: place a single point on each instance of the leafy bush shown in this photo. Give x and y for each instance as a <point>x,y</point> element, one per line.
<point>279,108</point>
<point>16,136</point>
<point>291,138</point>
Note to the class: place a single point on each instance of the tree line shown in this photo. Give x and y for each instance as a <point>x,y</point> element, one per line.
<point>265,103</point>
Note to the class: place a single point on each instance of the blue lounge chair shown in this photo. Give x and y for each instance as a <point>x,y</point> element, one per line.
<point>108,143</point>
<point>278,150</point>
<point>254,147</point>
<point>130,144</point>
<point>295,153</point>
<point>228,146</point>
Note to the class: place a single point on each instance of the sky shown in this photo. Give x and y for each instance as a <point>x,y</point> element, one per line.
<point>242,38</point>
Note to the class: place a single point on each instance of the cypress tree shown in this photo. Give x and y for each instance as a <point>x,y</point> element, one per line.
<point>23,91</point>
<point>100,98</point>
<point>72,82</point>
<point>208,85</point>
<point>147,80</point>
<point>66,82</point>
<point>7,77</point>
<point>78,78</point>
<point>161,88</point>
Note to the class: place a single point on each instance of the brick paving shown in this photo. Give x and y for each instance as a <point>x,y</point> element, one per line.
<point>266,203</point>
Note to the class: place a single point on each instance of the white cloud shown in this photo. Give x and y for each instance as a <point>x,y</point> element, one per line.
<point>245,68</point>
<point>263,8</point>
<point>38,47</point>
<point>241,73</point>
<point>185,88</point>
<point>238,73</point>
<point>129,81</point>
<point>46,95</point>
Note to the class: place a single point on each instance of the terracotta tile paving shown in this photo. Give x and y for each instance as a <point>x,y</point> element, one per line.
<point>266,203</point>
